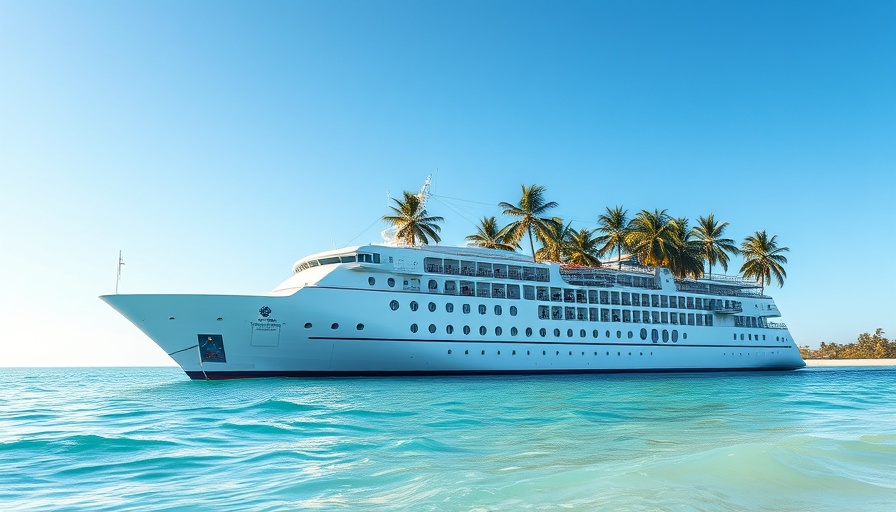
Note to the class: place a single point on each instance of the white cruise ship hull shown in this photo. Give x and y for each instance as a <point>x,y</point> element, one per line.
<point>350,331</point>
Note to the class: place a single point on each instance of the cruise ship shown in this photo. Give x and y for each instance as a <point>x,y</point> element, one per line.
<point>380,310</point>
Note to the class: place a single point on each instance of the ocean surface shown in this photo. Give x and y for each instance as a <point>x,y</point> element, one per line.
<point>149,438</point>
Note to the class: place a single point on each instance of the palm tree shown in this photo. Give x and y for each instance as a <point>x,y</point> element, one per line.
<point>530,211</point>
<point>651,236</point>
<point>488,235</point>
<point>411,221</point>
<point>687,258</point>
<point>715,247</point>
<point>553,240</point>
<point>613,225</point>
<point>581,248</point>
<point>763,259</point>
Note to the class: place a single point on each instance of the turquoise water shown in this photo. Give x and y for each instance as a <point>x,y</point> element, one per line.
<point>148,438</point>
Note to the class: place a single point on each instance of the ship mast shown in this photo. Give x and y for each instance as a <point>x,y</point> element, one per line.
<point>118,277</point>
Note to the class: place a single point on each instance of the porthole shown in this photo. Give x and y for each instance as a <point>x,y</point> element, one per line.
<point>556,333</point>
<point>432,307</point>
<point>512,310</point>
<point>432,328</point>
<point>483,352</point>
<point>665,336</point>
<point>776,338</point>
<point>482,330</point>
<point>449,351</point>
<point>528,331</point>
<point>394,305</point>
<point>497,309</point>
<point>482,309</point>
<point>608,334</point>
<point>390,282</point>
<point>433,285</point>
<point>499,352</point>
<point>334,326</point>
<point>558,353</point>
<point>735,336</point>
<point>308,325</point>
<point>543,332</point>
<point>674,336</point>
<point>618,335</point>
<point>498,331</point>
<point>449,329</point>
<point>595,333</point>
<point>414,305</point>
<point>684,335</point>
<point>513,353</point>
<point>413,327</point>
<point>513,331</point>
<point>654,335</point>
<point>631,335</point>
<point>449,307</point>
<point>741,336</point>
<point>582,333</point>
<point>359,327</point>
<point>643,334</point>
<point>570,352</point>
<point>569,333</point>
<point>466,329</point>
<point>466,309</point>
<point>466,352</point>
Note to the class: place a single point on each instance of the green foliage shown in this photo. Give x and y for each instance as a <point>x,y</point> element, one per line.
<point>488,235</point>
<point>868,346</point>
<point>763,259</point>
<point>411,221</point>
<point>613,226</point>
<point>530,213</point>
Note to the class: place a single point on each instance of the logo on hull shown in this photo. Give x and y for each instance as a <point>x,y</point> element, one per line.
<point>265,311</point>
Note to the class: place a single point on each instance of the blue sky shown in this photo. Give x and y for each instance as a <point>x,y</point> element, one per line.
<point>215,143</point>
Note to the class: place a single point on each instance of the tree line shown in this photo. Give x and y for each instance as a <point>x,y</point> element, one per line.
<point>652,238</point>
<point>867,346</point>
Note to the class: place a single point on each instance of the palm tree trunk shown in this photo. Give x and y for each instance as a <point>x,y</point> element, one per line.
<point>618,257</point>
<point>532,245</point>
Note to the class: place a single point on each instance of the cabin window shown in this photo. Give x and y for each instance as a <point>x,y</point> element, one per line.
<point>570,313</point>
<point>581,296</point>
<point>391,282</point>
<point>664,301</point>
<point>541,274</point>
<point>690,303</point>
<point>665,317</point>
<point>433,285</point>
<point>626,299</point>
<point>655,300</point>
<point>483,269</point>
<point>593,297</point>
<point>467,268</point>
<point>582,314</point>
<point>604,315</point>
<point>593,314</point>
<point>614,298</point>
<point>371,281</point>
<point>451,266</point>
<point>656,316</point>
<point>616,316</point>
<point>604,297</point>
<point>673,318</point>
<point>482,290</point>
<point>513,331</point>
<point>514,272</point>
<point>467,288</point>
<point>636,299</point>
<point>673,301</point>
<point>498,290</point>
<point>376,257</point>
<point>433,265</point>
<point>626,316</point>
<point>569,295</point>
<point>528,292</point>
<point>698,303</point>
<point>543,312</point>
<point>556,295</point>
<point>556,313</point>
<point>450,288</point>
<point>709,320</point>
<point>513,291</point>
<point>691,319</point>
<point>529,274</point>
<point>682,319</point>
<point>542,293</point>
<point>699,319</point>
<point>500,271</point>
<point>636,317</point>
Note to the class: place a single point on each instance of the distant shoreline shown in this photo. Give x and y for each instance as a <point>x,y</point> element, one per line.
<point>850,362</point>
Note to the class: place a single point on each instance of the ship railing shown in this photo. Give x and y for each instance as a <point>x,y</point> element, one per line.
<point>777,325</point>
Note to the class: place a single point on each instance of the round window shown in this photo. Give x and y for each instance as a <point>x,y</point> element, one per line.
<point>498,331</point>
<point>414,305</point>
<point>390,282</point>
<point>528,331</point>
<point>466,329</point>
<point>432,328</point>
<point>497,310</point>
<point>371,281</point>
<point>413,327</point>
<point>449,329</point>
<point>449,307</point>
<point>512,310</point>
<point>432,306</point>
<point>482,330</point>
<point>643,334</point>
<point>393,305</point>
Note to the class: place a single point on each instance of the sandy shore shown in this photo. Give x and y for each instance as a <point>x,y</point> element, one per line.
<point>850,362</point>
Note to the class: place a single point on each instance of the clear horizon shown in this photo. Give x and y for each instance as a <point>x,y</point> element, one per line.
<point>216,143</point>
